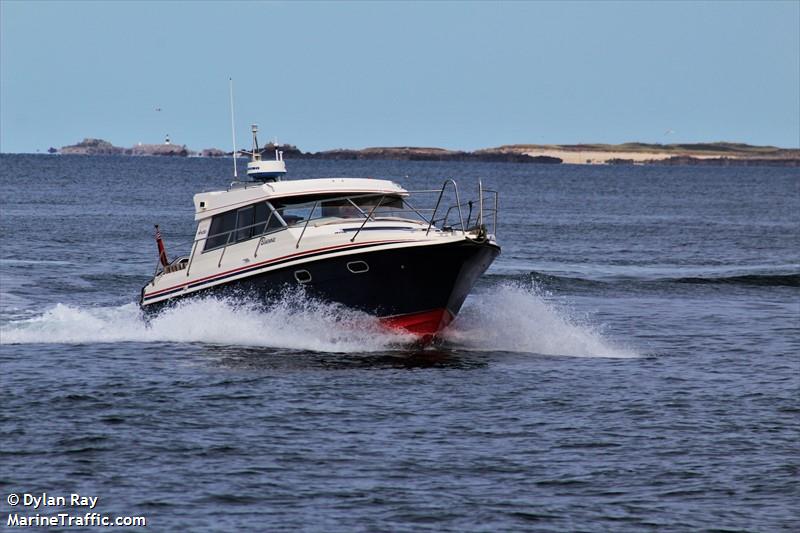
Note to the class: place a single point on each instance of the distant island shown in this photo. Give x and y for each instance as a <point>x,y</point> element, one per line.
<point>717,154</point>
<point>91,146</point>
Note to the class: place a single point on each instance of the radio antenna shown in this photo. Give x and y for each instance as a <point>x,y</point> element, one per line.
<point>233,131</point>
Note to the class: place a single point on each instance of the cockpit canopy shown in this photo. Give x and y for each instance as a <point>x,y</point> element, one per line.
<point>215,202</point>
<point>264,217</point>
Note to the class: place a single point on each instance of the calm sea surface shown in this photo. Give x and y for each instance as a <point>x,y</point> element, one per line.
<point>630,362</point>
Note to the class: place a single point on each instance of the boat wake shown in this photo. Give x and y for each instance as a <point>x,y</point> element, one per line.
<point>508,318</point>
<point>293,322</point>
<point>517,317</point>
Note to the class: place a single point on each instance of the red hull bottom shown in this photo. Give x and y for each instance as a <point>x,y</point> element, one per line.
<point>425,324</point>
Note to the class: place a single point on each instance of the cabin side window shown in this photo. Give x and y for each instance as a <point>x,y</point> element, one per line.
<point>220,231</point>
<point>260,218</point>
<point>244,223</point>
<point>241,225</point>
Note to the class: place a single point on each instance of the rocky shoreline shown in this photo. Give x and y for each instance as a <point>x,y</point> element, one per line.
<point>90,146</point>
<point>425,154</point>
<point>706,154</point>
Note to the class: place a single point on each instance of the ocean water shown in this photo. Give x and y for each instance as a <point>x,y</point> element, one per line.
<point>630,362</point>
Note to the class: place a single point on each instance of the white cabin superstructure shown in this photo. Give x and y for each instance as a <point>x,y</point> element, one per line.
<point>207,204</point>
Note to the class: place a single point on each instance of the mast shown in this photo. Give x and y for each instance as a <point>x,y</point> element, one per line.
<point>256,152</point>
<point>233,131</point>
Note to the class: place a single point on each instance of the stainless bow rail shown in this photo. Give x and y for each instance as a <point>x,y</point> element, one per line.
<point>465,228</point>
<point>379,210</point>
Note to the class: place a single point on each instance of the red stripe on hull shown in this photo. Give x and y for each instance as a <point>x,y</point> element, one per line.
<point>425,324</point>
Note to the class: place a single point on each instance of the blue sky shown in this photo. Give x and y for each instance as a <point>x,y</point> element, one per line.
<point>461,75</point>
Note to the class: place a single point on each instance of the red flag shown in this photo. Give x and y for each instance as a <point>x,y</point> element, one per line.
<point>162,252</point>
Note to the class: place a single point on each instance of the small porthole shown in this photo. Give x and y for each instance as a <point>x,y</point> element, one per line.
<point>357,267</point>
<point>302,276</point>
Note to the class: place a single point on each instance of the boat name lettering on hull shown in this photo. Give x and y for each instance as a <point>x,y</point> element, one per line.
<point>265,240</point>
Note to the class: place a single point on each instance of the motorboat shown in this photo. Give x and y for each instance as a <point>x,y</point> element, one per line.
<point>409,258</point>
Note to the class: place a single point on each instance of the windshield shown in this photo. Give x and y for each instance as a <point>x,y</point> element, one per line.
<point>356,207</point>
